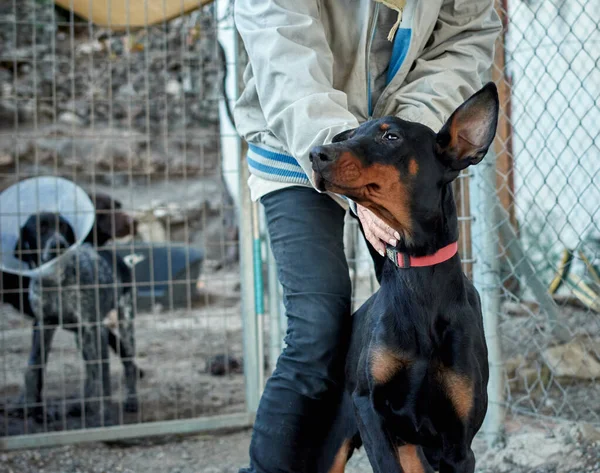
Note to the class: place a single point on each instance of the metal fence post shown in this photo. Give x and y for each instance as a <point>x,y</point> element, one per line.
<point>249,319</point>
<point>275,342</point>
<point>486,278</point>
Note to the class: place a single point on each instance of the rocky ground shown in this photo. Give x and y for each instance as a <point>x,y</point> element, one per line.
<point>77,96</point>
<point>532,449</point>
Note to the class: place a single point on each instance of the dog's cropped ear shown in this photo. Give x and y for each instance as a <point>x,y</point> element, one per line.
<point>343,136</point>
<point>469,132</point>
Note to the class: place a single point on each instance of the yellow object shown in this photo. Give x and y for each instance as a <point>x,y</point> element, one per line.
<point>397,5</point>
<point>590,267</point>
<point>562,272</point>
<point>119,15</point>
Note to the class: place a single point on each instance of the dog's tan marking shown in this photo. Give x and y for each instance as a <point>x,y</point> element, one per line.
<point>341,457</point>
<point>384,126</point>
<point>459,389</point>
<point>413,167</point>
<point>348,167</point>
<point>391,202</point>
<point>409,459</point>
<point>379,187</point>
<point>385,363</point>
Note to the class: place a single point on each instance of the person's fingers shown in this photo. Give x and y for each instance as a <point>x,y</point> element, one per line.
<point>374,241</point>
<point>384,231</point>
<point>378,227</point>
<point>366,218</point>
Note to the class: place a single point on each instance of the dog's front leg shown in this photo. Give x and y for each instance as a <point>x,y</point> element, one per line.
<point>41,342</point>
<point>457,455</point>
<point>94,348</point>
<point>127,351</point>
<point>378,445</point>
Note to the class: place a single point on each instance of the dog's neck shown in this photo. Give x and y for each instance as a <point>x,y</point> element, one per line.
<point>432,230</point>
<point>56,275</point>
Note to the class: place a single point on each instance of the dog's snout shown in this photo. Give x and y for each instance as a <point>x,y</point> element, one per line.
<point>321,155</point>
<point>55,246</point>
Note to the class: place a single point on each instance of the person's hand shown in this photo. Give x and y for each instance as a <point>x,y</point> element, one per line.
<point>377,232</point>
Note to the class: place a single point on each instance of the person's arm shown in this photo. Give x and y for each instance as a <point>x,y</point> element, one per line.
<point>292,64</point>
<point>446,73</point>
<point>449,69</point>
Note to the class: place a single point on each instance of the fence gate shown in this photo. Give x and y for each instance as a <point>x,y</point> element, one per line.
<point>129,104</point>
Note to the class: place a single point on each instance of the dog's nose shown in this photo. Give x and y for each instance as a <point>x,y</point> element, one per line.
<point>322,154</point>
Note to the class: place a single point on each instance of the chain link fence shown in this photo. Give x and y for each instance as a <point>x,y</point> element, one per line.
<point>546,219</point>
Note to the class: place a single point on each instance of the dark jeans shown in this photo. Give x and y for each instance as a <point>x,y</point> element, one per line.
<point>299,400</point>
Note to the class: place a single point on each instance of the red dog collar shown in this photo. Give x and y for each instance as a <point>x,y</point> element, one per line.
<point>402,260</point>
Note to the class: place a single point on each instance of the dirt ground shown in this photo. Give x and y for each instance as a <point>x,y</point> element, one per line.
<point>530,449</point>
<point>173,348</point>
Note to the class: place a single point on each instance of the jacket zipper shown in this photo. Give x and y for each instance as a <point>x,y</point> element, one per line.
<point>370,37</point>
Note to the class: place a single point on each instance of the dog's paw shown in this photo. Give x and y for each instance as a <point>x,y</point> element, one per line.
<point>76,407</point>
<point>37,411</point>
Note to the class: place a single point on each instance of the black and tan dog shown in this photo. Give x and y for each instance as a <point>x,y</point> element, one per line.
<point>79,291</point>
<point>417,368</point>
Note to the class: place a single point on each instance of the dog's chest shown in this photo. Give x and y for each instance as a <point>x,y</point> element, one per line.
<point>81,291</point>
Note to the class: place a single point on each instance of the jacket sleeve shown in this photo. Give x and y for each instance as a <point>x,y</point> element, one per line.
<point>292,65</point>
<point>448,70</point>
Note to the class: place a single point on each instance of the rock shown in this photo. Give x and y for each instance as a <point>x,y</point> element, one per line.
<point>589,433</point>
<point>518,309</point>
<point>89,48</point>
<point>150,229</point>
<point>6,159</point>
<point>572,360</point>
<point>173,87</point>
<point>70,118</point>
<point>525,375</point>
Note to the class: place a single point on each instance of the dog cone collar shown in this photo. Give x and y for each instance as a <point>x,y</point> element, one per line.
<point>41,194</point>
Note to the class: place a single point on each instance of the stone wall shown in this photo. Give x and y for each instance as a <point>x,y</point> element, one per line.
<point>135,113</point>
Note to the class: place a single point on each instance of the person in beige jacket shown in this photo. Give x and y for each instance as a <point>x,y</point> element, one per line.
<point>318,68</point>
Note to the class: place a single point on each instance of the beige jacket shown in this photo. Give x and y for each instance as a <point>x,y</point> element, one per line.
<point>319,67</point>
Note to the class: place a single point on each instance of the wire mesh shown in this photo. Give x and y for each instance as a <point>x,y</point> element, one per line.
<point>138,117</point>
<point>547,165</point>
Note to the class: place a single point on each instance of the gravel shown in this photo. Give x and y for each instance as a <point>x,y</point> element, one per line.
<point>533,449</point>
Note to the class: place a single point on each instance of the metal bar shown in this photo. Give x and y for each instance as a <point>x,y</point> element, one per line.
<point>250,328</point>
<point>523,268</point>
<point>259,294</point>
<point>486,278</point>
<point>121,432</point>
<point>275,342</point>
<point>249,322</point>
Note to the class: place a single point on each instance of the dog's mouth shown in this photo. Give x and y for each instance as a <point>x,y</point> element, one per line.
<point>320,182</point>
<point>323,184</point>
<point>54,247</point>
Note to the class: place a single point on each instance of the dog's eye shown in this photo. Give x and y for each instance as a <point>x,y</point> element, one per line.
<point>390,136</point>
